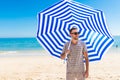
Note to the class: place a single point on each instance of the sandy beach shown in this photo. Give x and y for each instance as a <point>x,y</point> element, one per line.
<point>51,68</point>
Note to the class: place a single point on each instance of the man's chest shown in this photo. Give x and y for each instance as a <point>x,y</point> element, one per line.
<point>75,51</point>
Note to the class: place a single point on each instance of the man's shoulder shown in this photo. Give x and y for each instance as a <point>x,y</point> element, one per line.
<point>67,42</point>
<point>81,42</point>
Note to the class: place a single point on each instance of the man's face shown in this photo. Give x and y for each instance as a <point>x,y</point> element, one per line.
<point>74,34</point>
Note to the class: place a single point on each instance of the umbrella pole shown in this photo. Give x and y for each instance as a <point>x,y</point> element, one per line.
<point>67,53</point>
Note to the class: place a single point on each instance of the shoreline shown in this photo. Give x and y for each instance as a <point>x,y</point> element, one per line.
<point>23,53</point>
<point>42,52</point>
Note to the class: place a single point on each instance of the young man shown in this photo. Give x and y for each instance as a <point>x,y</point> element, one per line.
<point>76,53</point>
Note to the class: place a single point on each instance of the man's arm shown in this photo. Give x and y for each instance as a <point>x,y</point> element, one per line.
<point>63,55</point>
<point>87,64</point>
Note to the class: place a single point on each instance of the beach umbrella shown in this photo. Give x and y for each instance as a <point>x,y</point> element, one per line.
<point>55,22</point>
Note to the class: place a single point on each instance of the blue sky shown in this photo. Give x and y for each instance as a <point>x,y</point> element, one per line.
<point>18,18</point>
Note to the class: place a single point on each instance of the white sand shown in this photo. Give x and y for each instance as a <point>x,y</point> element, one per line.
<point>51,68</point>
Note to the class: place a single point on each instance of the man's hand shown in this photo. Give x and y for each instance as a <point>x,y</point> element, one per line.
<point>86,74</point>
<point>63,55</point>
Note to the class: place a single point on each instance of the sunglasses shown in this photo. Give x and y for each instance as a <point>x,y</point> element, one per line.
<point>75,33</point>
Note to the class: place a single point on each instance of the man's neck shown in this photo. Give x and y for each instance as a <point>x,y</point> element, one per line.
<point>74,41</point>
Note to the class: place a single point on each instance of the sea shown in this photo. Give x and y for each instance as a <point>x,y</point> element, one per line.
<point>14,45</point>
<point>17,44</point>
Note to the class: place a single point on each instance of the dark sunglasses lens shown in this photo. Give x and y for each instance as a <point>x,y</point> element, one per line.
<point>76,33</point>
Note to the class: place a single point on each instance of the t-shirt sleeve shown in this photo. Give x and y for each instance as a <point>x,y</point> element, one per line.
<point>64,48</point>
<point>84,47</point>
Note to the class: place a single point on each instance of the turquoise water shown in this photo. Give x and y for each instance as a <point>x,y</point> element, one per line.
<point>116,41</point>
<point>14,44</point>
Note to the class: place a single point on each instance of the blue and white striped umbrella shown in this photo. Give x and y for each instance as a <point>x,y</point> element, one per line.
<point>55,22</point>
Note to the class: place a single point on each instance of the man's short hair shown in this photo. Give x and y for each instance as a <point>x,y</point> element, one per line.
<point>72,29</point>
